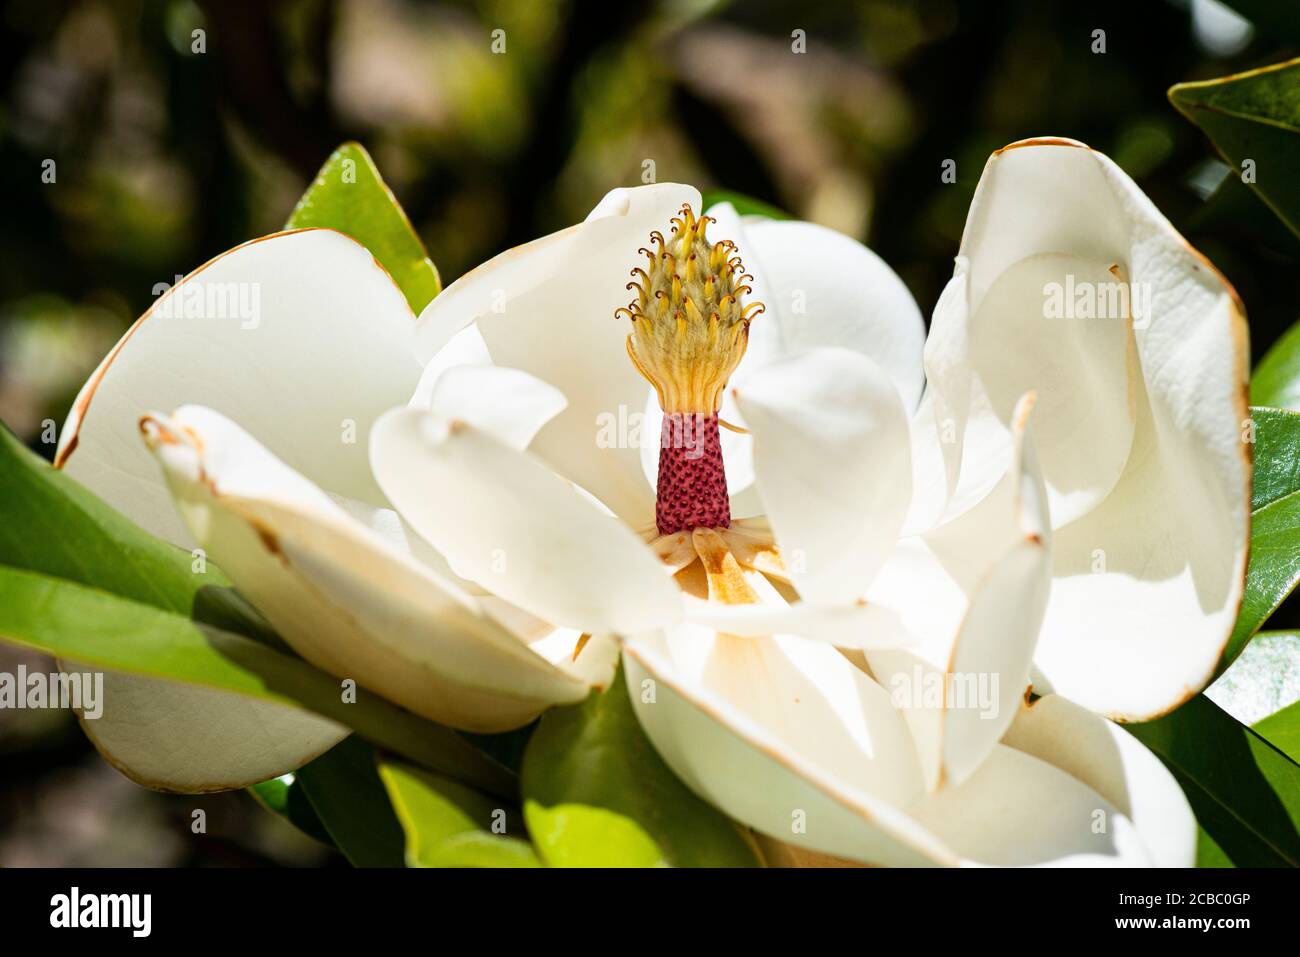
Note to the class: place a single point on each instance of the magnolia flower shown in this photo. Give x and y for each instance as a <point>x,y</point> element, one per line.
<point>1142,468</point>
<point>827,590</point>
<point>305,533</point>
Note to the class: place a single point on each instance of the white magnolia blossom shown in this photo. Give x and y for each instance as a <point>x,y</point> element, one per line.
<point>459,511</point>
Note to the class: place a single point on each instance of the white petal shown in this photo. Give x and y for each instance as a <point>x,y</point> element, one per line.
<point>822,288</point>
<point>1084,370</point>
<point>506,521</point>
<point>1018,811</point>
<point>1146,587</point>
<point>187,739</point>
<point>930,488</point>
<point>303,337</point>
<point>805,749</point>
<point>547,308</point>
<point>400,537</point>
<point>972,592</point>
<point>465,348</point>
<point>1117,766</point>
<point>955,412</point>
<point>1150,559</point>
<point>339,594</point>
<point>833,463</point>
<point>786,736</point>
<point>992,338</point>
<point>859,625</point>
<point>507,403</point>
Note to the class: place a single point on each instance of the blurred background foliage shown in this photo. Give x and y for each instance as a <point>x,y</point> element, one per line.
<point>165,154</point>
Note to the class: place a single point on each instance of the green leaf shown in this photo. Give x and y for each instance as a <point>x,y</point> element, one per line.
<point>284,797</point>
<point>1245,792</point>
<point>580,835</point>
<point>1264,679</point>
<point>1254,116</point>
<point>597,794</point>
<point>52,525</point>
<point>745,205</point>
<point>349,195</point>
<point>1276,381</point>
<point>1274,567</point>
<point>476,849</point>
<point>344,789</point>
<point>1282,730</point>
<point>504,746</point>
<point>80,581</point>
<point>94,627</point>
<point>1208,853</point>
<point>449,825</point>
<point>1277,456</point>
<point>1234,208</point>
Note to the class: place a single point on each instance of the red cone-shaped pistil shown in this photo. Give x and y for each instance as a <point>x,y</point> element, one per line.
<point>692,489</point>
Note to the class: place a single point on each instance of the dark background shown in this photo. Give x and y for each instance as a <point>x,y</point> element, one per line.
<point>165,157</point>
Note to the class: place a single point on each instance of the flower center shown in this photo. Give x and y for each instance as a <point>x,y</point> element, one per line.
<point>689,332</point>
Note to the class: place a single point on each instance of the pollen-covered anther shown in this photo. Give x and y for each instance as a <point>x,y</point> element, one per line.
<point>690,325</point>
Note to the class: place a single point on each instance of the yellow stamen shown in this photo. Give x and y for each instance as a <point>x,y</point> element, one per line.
<point>688,345</point>
<point>756,550</point>
<point>726,581</point>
